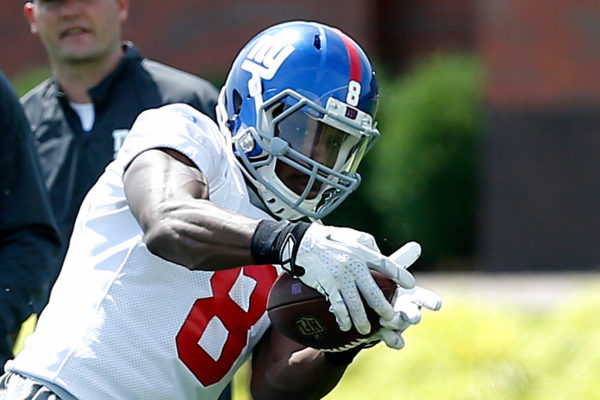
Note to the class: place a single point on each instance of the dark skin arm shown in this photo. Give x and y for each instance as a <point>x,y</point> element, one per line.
<point>169,197</point>
<point>284,369</point>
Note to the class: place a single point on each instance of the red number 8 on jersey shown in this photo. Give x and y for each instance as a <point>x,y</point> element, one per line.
<point>231,316</point>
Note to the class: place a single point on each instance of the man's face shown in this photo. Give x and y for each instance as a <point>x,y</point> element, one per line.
<point>76,31</point>
<point>296,180</point>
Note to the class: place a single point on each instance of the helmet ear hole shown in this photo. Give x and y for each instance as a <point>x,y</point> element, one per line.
<point>277,110</point>
<point>237,102</point>
<point>317,42</point>
<point>237,106</point>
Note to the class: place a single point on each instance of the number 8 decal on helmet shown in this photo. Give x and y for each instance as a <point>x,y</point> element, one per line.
<point>298,107</point>
<point>353,93</point>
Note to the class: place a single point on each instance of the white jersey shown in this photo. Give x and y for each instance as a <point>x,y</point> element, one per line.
<point>122,323</point>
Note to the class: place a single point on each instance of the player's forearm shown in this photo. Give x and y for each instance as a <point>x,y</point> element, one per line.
<point>305,375</point>
<point>169,197</point>
<point>200,235</point>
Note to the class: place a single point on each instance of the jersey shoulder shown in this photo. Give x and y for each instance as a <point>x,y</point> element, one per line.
<point>190,132</point>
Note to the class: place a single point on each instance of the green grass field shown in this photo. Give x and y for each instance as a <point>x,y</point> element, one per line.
<point>468,352</point>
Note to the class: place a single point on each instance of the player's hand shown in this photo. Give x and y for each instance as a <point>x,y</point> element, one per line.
<point>336,262</point>
<point>408,304</point>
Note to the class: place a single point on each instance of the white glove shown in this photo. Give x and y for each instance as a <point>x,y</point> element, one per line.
<point>407,308</point>
<point>336,262</point>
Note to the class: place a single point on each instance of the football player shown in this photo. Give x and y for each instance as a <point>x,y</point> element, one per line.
<point>164,287</point>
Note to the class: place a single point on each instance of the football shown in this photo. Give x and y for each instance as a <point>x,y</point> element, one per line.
<point>302,314</point>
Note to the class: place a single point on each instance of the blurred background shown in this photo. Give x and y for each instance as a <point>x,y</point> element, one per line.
<point>490,121</point>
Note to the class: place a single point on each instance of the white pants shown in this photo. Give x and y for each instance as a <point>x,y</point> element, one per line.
<point>16,387</point>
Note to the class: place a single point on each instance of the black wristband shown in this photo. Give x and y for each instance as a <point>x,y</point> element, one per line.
<point>277,243</point>
<point>342,358</point>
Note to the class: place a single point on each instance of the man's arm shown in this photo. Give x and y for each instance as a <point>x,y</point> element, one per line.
<point>283,369</point>
<point>169,197</point>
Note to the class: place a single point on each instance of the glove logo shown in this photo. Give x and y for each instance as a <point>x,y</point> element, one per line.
<point>287,254</point>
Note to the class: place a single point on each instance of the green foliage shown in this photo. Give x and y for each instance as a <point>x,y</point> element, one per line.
<point>472,351</point>
<point>425,167</point>
<point>421,180</point>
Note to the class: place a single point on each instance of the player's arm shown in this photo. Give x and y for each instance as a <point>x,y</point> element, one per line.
<point>284,369</point>
<point>169,197</point>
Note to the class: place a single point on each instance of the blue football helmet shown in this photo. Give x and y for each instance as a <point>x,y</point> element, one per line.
<point>299,105</point>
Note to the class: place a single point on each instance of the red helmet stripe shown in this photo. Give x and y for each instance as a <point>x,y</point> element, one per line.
<point>355,66</point>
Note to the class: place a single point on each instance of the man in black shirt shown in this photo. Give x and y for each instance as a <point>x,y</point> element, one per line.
<point>99,84</point>
<point>29,240</point>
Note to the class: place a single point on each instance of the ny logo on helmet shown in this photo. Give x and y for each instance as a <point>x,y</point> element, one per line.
<point>266,56</point>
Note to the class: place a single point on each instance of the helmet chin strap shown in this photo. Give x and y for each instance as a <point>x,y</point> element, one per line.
<point>256,200</point>
<point>265,200</point>
<point>269,201</point>
<point>277,207</point>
